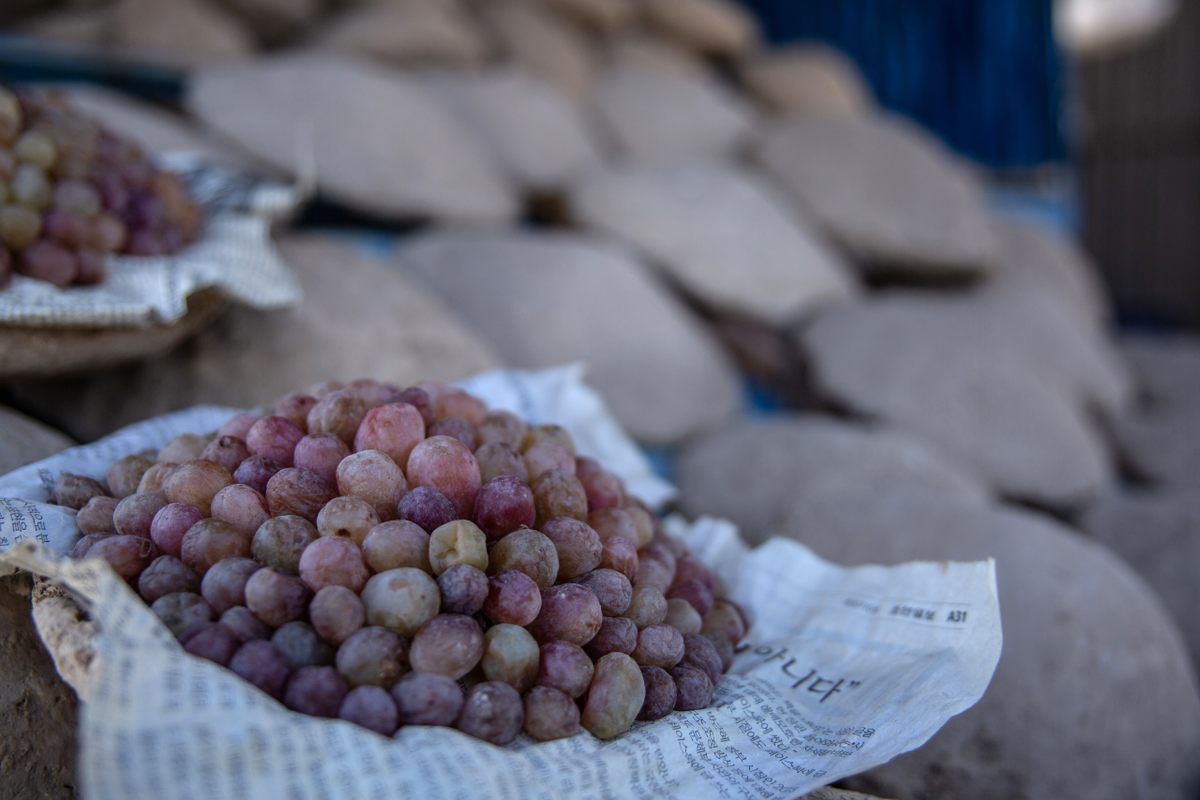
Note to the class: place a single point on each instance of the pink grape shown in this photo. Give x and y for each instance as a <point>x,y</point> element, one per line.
<point>169,525</point>
<point>127,555</point>
<point>492,712</point>
<point>228,451</point>
<point>700,652</point>
<point>320,453</point>
<point>569,612</point>
<point>166,575</point>
<point>426,699</point>
<point>457,403</point>
<point>643,523</point>
<point>550,714</point>
<point>456,428</point>
<point>275,597</point>
<point>658,646</point>
<point>724,649</point>
<point>545,456</point>
<point>134,514</point>
<point>238,426</point>
<point>396,543</point>
<point>619,553</point>
<point>224,585</point>
<point>256,472</point>
<point>338,412</point>
<point>274,438</point>
<point>654,574</point>
<point>299,492</point>
<point>513,597</point>
<point>726,618</point>
<point>294,408</point>
<point>242,507</point>
<point>694,592</point>
<point>447,465</point>
<point>497,459</point>
<point>566,667</point>
<point>577,544</point>
<point>374,477</point>
<point>464,589</point>
<point>335,613</point>
<point>394,429</point>
<point>611,588</point>
<point>210,541</point>
<point>448,644</point>
<point>84,544</point>
<point>502,506</point>
<point>603,489</point>
<point>333,561</point>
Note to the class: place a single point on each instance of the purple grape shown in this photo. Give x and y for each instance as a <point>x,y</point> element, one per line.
<point>321,453</point>
<point>700,652</point>
<point>48,261</point>
<point>566,667</point>
<point>492,712</point>
<point>256,472</point>
<point>299,492</point>
<point>332,561</point>
<point>134,514</point>
<point>335,613</point>
<point>127,555</point>
<point>569,612</point>
<point>658,646</point>
<point>694,592</point>
<point>578,546</point>
<point>449,644</point>
<point>371,707</point>
<point>259,662</point>
<point>502,506</point>
<point>611,588</point>
<point>181,611</point>
<point>693,688</point>
<point>603,489</point>
<point>427,507</point>
<point>619,553</point>
<point>464,589</point>
<point>447,465</point>
<point>276,598</point>
<point>166,575</point>
<point>426,699</point>
<point>244,624</point>
<point>616,635</point>
<point>315,690</point>
<point>211,640</point>
<point>224,585</point>
<point>660,694</point>
<point>512,598</point>
<point>550,714</point>
<point>724,648</point>
<point>301,645</point>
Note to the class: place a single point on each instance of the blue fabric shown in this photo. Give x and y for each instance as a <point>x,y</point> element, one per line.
<point>984,75</point>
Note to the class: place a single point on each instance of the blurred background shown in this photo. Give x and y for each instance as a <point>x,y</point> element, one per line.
<point>898,280</point>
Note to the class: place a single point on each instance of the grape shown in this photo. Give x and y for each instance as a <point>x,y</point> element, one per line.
<point>394,429</point>
<point>569,612</point>
<point>615,696</point>
<point>700,652</point>
<point>196,482</point>
<point>84,544</point>
<point>96,516</point>
<point>373,476</point>
<point>724,648</point>
<point>610,522</point>
<point>682,616</point>
<point>425,699</point>
<point>169,525</point>
<point>603,489</point>
<point>653,574</point>
<point>458,542</point>
<point>545,456</point>
<point>695,593</point>
<point>396,543</point>
<point>181,611</point>
<point>134,514</point>
<point>127,555</point>
<point>228,451</point>
<point>420,400</point>
<point>372,392</point>
<point>566,667</point>
<point>457,403</point>
<point>333,561</point>
<point>619,553</point>
<point>126,473</point>
<point>155,477</point>
<point>513,597</point>
<point>299,492</point>
<point>577,545</point>
<point>693,688</point>
<point>347,518</point>
<point>320,453</point>
<point>276,598</point>
<point>274,438</point>
<point>611,588</point>
<point>448,644</point>
<point>335,613</point>
<point>240,506</point>
<point>616,635</point>
<point>166,575</point>
<point>527,551</point>
<point>503,505</point>
<point>372,656</point>
<point>660,694</point>
<point>647,607</point>
<point>510,655</point>
<point>658,646</point>
<point>244,624</point>
<point>74,491</point>
<point>503,427</point>
<point>183,448</point>
<point>238,426</point>
<point>224,585</point>
<point>211,640</point>
<point>643,524</point>
<point>19,227</point>
<point>294,408</point>
<point>301,645</point>
<point>689,568</point>
<point>550,714</point>
<point>259,662</point>
<point>372,708</point>
<point>559,494</point>
<point>280,541</point>
<point>36,148</point>
<point>256,472</point>
<point>91,268</point>
<point>109,234</point>
<point>445,464</point>
<point>549,433</point>
<point>492,712</point>
<point>401,599</point>
<point>210,541</point>
<point>30,188</point>
<point>50,262</point>
<point>66,228</point>
<point>324,389</point>
<point>727,619</point>
<point>456,428</point>
<point>464,589</point>
<point>427,507</point>
<point>497,459</point>
<point>338,412</point>
<point>315,690</point>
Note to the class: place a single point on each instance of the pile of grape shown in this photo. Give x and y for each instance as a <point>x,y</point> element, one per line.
<point>404,556</point>
<point>72,193</point>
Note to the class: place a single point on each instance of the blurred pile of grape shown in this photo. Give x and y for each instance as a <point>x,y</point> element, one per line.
<point>73,193</point>
<point>496,582</point>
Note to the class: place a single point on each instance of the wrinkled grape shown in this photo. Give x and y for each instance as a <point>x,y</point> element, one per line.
<point>335,613</point>
<point>503,427</point>
<point>611,588</point>
<point>196,483</point>
<point>135,513</point>
<point>370,707</point>
<point>426,699</point>
<point>299,492</point>
<point>658,646</point>
<point>210,541</point>
<point>550,714</point>
<point>126,473</point>
<point>660,694</point>
<point>445,464</point>
<point>513,597</point>
<point>244,624</point>
<point>315,690</point>
<point>84,544</point>
<point>347,518</point>
<point>401,599</point>
<point>616,635</point>
<point>502,506</point>
<point>224,585</point>
<point>427,507</point>
<point>492,712</point>
<point>228,451</point>
<point>320,453</point>
<point>619,553</point>
<point>448,644</point>
<point>74,491</point>
<point>169,525</point>
<point>458,542</point>
<point>682,616</point>
<point>693,688</point>
<point>700,652</point>
<point>155,477</point>
<point>497,459</point>
<point>510,655</point>
<point>396,543</point>
<point>276,598</point>
<point>374,477</point>
<point>464,589</point>
<point>280,541</point>
<point>181,611</point>
<point>96,516</point>
<point>211,640</point>
<point>301,645</point>
<point>394,429</point>
<point>559,494</point>
<point>647,607</point>
<point>256,472</point>
<point>372,656</point>
<point>577,545</point>
<point>240,506</point>
<point>615,696</point>
<point>569,612</point>
<point>339,413</point>
<point>260,663</point>
<point>166,575</point>
<point>127,555</point>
